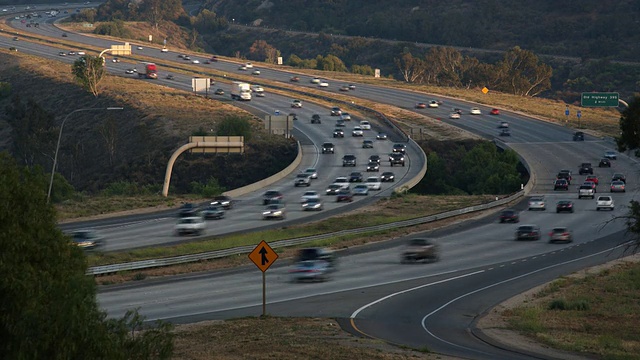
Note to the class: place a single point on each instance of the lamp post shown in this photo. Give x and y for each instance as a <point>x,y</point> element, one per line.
<point>55,157</point>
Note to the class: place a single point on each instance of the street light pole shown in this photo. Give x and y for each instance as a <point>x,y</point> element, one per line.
<point>55,157</point>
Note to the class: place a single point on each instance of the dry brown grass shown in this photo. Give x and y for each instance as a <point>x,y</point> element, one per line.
<point>282,338</point>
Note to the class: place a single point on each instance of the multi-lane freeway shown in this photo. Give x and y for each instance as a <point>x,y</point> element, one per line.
<point>433,305</point>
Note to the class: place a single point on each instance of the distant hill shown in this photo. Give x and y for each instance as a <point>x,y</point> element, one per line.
<point>584,29</point>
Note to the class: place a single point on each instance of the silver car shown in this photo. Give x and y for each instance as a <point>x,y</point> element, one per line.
<point>361,189</point>
<point>537,203</point>
<point>312,204</point>
<point>560,234</point>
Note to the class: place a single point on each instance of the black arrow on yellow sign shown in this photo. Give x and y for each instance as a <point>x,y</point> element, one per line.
<point>264,259</point>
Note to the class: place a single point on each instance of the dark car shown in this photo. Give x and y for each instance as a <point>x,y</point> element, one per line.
<point>344,195</point>
<point>399,148</point>
<point>219,92</point>
<point>338,133</point>
<point>271,195</point>
<point>315,119</point>
<point>64,35</point>
<point>224,201</point>
<point>564,205</point>
<point>565,174</point>
<point>387,176</point>
<point>375,158</point>
<point>505,132</point>
<point>367,144</point>
<point>396,158</point>
<point>528,232</point>
<point>356,176</point>
<point>586,168</point>
<point>619,177</point>
<point>335,111</point>
<point>313,264</point>
<point>509,215</point>
<point>213,212</point>
<point>349,160</point>
<point>87,239</point>
<point>294,79</point>
<point>420,249</point>
<point>578,136</point>
<point>328,148</point>
<point>187,210</point>
<point>604,163</point>
<point>373,166</point>
<point>561,184</point>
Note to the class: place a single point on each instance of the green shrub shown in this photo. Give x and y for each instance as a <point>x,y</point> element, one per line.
<point>562,304</point>
<point>210,189</point>
<point>61,189</point>
<point>126,188</point>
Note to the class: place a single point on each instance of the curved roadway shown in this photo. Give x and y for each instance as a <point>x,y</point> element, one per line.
<point>424,305</point>
<point>157,228</point>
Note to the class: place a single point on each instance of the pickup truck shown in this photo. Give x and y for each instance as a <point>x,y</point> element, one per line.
<point>420,249</point>
<point>586,191</point>
<point>190,225</point>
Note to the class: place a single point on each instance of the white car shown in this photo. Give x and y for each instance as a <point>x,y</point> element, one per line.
<point>309,195</point>
<point>475,111</point>
<point>365,125</point>
<point>313,173</point>
<point>537,203</point>
<point>433,104</point>
<point>257,88</point>
<point>315,80</point>
<point>81,53</point>
<point>373,182</point>
<point>604,202</point>
<point>256,72</point>
<point>164,49</point>
<point>357,131</point>
<point>345,116</point>
<point>342,181</point>
<point>248,65</point>
<point>190,225</point>
<point>196,61</point>
<point>454,116</point>
<point>296,104</point>
<point>323,84</point>
<point>139,47</point>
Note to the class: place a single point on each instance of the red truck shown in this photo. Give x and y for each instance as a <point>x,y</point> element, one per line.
<point>150,71</point>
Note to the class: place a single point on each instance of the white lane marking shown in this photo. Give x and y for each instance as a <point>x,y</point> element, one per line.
<point>309,295</point>
<point>424,319</point>
<point>355,313</point>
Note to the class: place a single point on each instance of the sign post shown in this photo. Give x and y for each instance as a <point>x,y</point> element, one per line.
<point>263,257</point>
<point>566,113</point>
<point>579,115</point>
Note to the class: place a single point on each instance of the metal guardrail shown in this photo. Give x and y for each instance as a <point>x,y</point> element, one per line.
<point>183,259</point>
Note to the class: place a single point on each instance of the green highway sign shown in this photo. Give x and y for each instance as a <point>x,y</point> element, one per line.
<point>599,99</point>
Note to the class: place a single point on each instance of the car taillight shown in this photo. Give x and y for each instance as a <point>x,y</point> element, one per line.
<point>551,233</point>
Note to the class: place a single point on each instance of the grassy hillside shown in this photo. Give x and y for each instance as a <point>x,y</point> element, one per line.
<point>152,125</point>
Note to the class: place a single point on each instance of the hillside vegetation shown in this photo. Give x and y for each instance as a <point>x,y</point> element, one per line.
<point>102,148</point>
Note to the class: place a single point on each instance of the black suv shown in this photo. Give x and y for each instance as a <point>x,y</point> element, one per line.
<point>349,160</point>
<point>399,148</point>
<point>586,168</point>
<point>604,163</point>
<point>578,136</point>
<point>396,158</point>
<point>509,215</point>
<point>315,119</point>
<point>338,133</point>
<point>328,148</point>
<point>564,175</point>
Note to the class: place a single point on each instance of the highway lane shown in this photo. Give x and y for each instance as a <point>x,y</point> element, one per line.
<point>370,275</point>
<point>157,230</point>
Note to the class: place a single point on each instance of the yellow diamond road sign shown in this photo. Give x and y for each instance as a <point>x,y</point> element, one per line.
<point>263,256</point>
<point>485,90</point>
